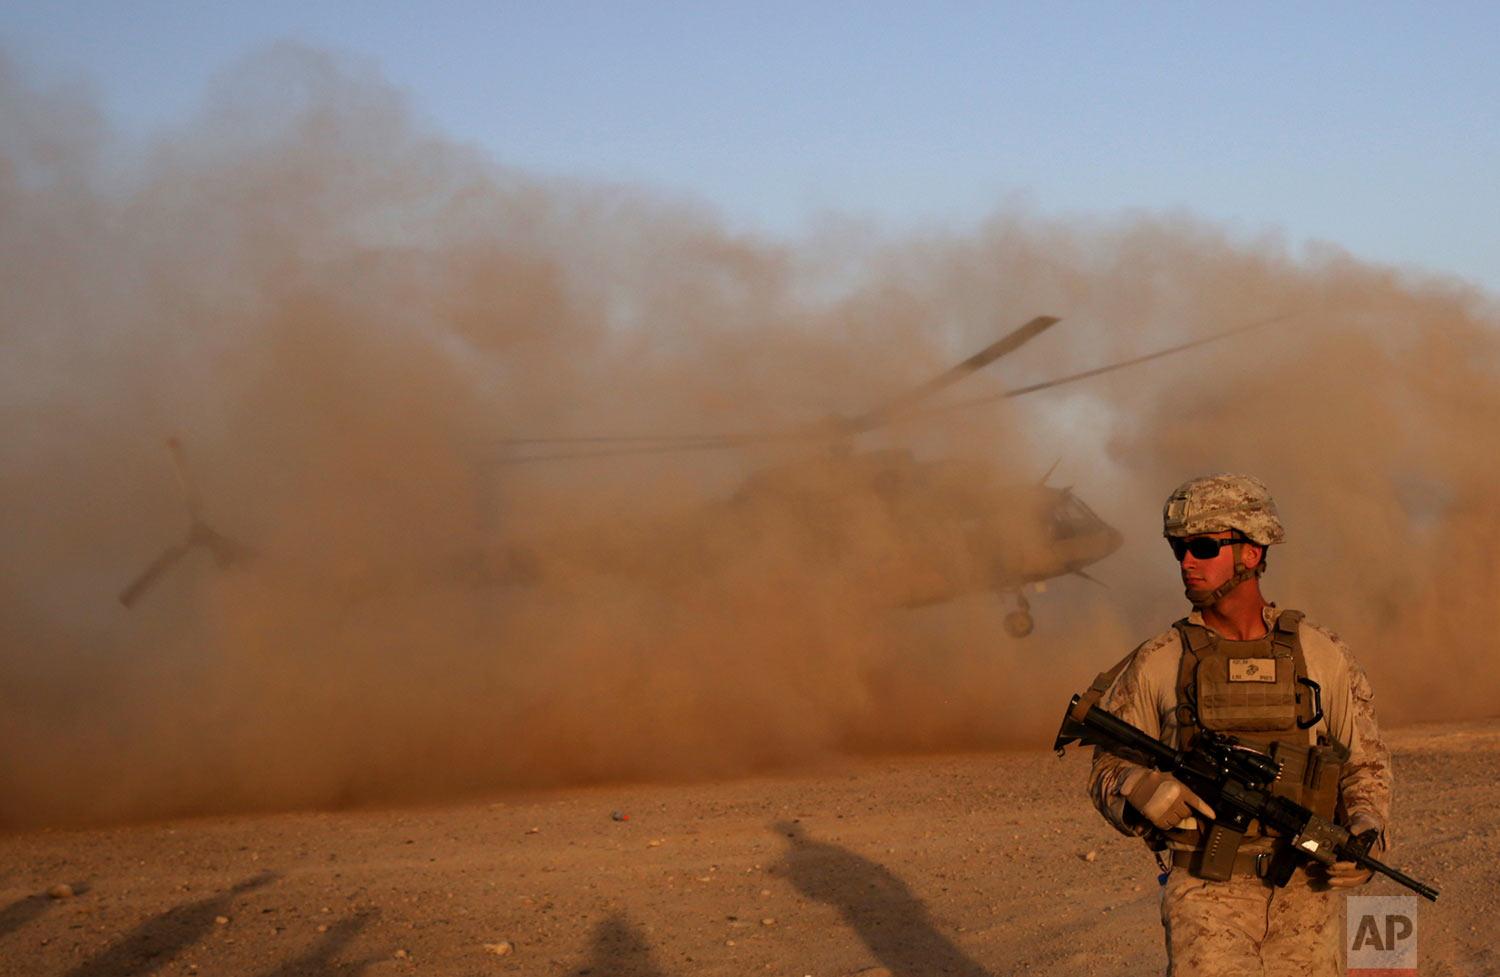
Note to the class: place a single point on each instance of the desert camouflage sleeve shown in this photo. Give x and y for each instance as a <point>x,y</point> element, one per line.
<point>1135,698</point>
<point>1368,782</point>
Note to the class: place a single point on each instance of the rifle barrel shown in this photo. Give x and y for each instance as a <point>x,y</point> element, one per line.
<point>1395,875</point>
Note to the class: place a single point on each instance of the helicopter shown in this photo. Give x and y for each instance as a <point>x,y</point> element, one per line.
<point>902,532</point>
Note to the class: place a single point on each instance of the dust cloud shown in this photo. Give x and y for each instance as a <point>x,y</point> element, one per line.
<point>347,320</point>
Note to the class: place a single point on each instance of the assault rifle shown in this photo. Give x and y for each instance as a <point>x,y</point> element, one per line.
<point>1236,783</point>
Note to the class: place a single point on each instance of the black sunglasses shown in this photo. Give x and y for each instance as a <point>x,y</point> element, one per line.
<point>1202,547</point>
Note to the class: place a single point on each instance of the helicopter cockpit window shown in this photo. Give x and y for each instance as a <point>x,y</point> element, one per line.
<point>1072,518</point>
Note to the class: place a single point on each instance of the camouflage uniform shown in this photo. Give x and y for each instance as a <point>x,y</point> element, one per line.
<point>1245,926</point>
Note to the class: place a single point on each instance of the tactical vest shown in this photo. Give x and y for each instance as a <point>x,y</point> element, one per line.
<point>1257,691</point>
<point>1253,689</point>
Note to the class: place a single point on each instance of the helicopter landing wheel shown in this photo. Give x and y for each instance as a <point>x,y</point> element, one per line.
<point>1018,624</point>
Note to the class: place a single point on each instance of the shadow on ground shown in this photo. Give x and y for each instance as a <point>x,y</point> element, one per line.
<point>155,942</point>
<point>880,908</point>
<point>619,949</point>
<point>320,960</point>
<point>23,911</point>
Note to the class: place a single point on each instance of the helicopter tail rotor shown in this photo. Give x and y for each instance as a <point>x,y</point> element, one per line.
<point>185,483</point>
<point>148,577</point>
<point>225,551</point>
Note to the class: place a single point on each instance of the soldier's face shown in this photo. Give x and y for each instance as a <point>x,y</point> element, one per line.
<point>1199,573</point>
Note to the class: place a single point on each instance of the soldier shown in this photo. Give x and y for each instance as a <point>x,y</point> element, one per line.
<point>1241,665</point>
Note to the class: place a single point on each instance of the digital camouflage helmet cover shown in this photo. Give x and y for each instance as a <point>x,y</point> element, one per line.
<point>1220,503</point>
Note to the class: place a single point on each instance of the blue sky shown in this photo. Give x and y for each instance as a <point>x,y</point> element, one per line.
<point>1374,126</point>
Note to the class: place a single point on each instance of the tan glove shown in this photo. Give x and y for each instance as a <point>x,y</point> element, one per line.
<point>1347,875</point>
<point>1163,799</point>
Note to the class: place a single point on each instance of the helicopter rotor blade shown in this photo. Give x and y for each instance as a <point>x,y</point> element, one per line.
<point>603,448</point>
<point>227,552</point>
<point>148,577</point>
<point>648,442</point>
<point>620,446</point>
<point>1073,377</point>
<point>630,445</point>
<point>1006,344</point>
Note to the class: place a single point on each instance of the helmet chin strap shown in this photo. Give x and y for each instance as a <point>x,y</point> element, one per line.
<point>1203,599</point>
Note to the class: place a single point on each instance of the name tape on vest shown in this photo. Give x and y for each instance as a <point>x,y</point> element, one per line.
<point>1252,670</point>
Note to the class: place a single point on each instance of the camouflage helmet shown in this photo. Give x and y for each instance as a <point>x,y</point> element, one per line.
<point>1223,503</point>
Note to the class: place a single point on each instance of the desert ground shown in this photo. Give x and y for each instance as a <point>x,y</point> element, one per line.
<point>910,866</point>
